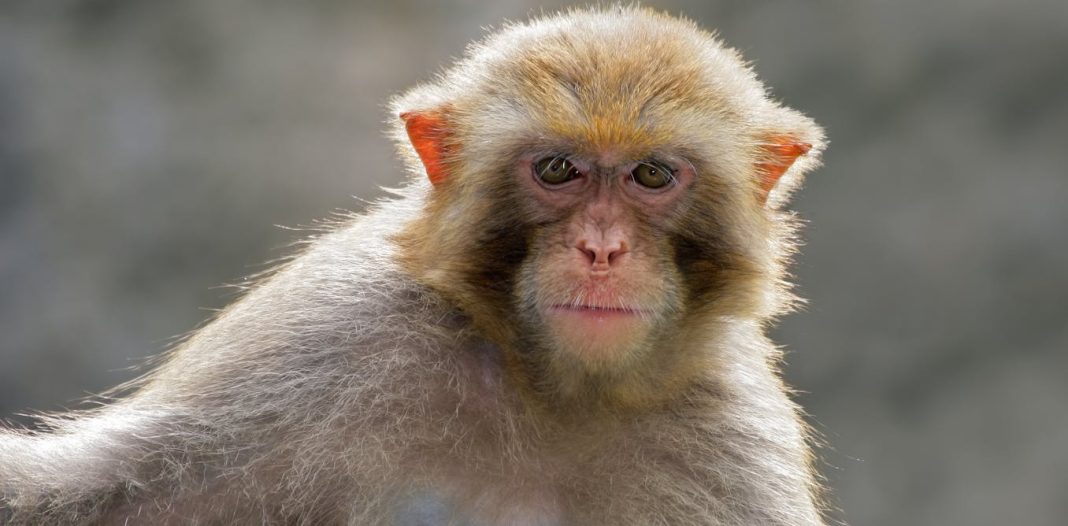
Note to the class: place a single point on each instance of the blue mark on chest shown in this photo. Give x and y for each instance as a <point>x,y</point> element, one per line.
<point>425,508</point>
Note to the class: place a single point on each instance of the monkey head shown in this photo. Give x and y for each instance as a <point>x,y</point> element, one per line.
<point>604,190</point>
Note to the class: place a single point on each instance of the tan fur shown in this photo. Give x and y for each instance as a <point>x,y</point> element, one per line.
<point>381,378</point>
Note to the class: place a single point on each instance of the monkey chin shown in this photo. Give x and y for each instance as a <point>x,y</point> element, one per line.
<point>600,337</point>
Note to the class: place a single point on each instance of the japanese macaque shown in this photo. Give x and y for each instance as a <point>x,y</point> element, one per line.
<point>559,320</point>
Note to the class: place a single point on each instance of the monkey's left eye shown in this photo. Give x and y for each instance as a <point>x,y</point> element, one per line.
<point>555,170</point>
<point>652,176</point>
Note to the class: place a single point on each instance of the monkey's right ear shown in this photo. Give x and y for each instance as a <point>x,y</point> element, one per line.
<point>429,133</point>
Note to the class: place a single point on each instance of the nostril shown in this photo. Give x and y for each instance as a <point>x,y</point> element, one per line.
<point>615,252</point>
<point>586,251</point>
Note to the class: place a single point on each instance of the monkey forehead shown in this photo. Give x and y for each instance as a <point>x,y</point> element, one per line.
<point>621,77</point>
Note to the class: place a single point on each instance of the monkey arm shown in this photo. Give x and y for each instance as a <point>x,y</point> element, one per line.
<point>218,432</point>
<point>87,464</point>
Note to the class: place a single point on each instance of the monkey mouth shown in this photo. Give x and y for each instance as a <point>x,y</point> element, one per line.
<point>598,317</point>
<point>597,334</point>
<point>596,310</point>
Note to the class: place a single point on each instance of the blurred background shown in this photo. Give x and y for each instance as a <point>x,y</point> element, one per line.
<point>148,150</point>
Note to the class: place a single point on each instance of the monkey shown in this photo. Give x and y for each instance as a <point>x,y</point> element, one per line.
<point>559,320</point>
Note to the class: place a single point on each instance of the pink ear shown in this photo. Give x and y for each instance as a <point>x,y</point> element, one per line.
<point>429,134</point>
<point>780,153</point>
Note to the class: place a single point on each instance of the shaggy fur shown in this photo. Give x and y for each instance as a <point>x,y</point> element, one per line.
<point>379,377</point>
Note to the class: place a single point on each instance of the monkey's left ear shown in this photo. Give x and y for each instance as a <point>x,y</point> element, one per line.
<point>429,133</point>
<point>779,153</point>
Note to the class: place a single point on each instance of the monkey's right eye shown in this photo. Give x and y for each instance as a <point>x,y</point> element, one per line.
<point>555,170</point>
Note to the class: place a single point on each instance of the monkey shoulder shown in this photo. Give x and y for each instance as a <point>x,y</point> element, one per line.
<point>363,378</point>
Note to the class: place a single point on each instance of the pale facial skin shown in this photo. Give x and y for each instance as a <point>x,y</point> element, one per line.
<point>602,286</point>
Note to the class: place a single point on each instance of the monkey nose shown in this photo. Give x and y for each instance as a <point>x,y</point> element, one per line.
<point>601,255</point>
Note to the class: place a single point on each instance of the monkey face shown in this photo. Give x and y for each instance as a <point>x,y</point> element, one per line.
<point>596,285</point>
<point>600,207</point>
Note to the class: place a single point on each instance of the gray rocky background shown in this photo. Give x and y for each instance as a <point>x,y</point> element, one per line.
<point>149,148</point>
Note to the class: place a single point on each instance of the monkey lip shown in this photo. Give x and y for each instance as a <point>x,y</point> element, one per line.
<point>595,308</point>
<point>596,332</point>
<point>596,311</point>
